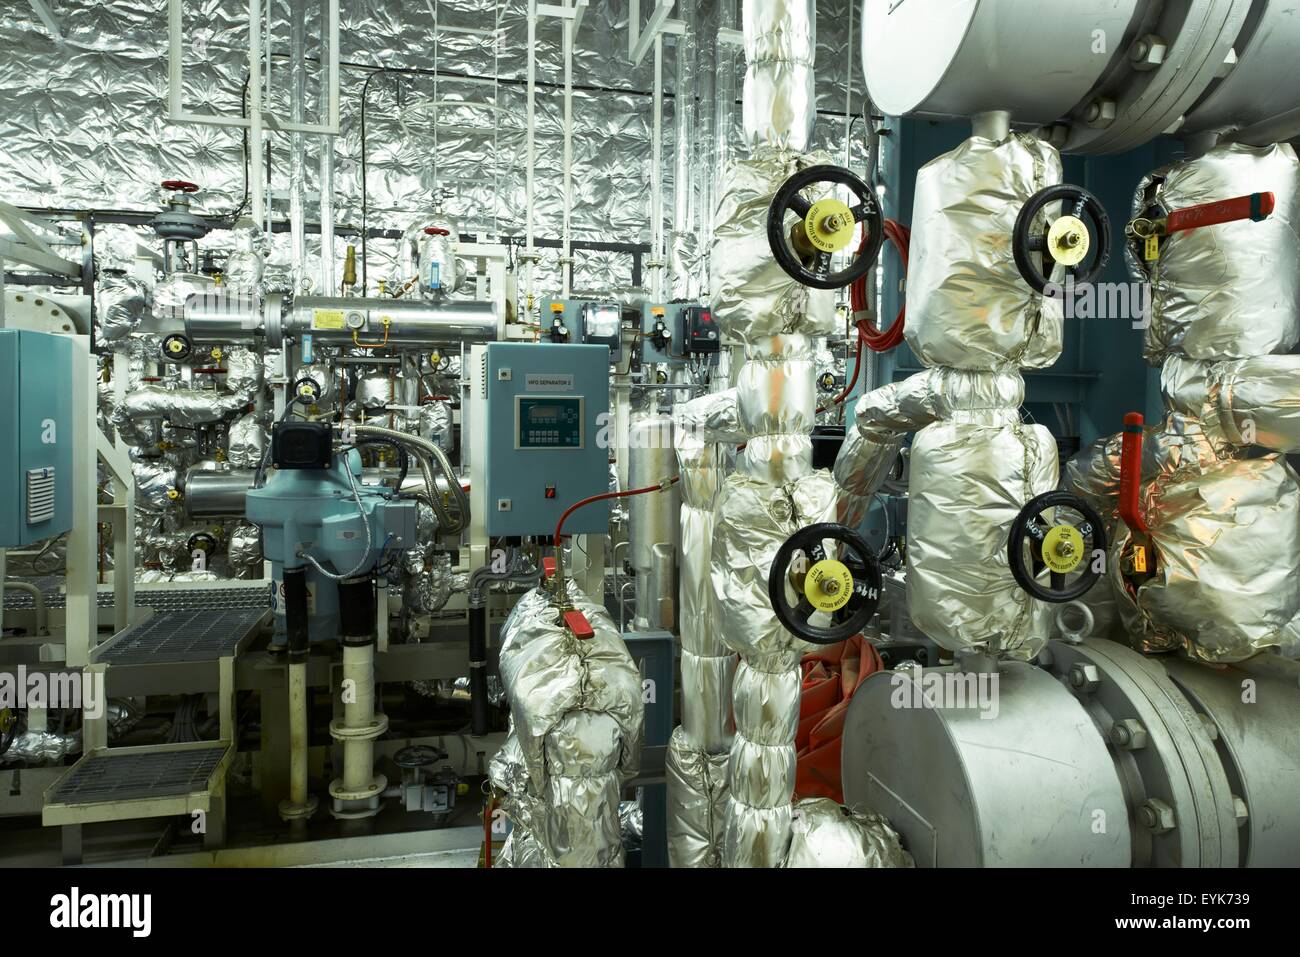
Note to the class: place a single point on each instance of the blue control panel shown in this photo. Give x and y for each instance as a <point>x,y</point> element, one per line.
<point>35,436</point>
<point>547,443</point>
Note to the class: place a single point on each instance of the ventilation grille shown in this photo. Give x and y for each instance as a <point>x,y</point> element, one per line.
<point>40,495</point>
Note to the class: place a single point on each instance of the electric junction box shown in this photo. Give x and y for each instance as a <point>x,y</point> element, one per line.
<point>675,332</point>
<point>540,429</point>
<point>36,436</point>
<point>584,321</point>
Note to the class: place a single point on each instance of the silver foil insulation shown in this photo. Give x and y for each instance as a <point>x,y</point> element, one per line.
<point>577,718</point>
<point>974,322</point>
<point>1225,521</point>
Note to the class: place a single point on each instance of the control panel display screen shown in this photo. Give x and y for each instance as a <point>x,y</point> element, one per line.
<point>548,422</point>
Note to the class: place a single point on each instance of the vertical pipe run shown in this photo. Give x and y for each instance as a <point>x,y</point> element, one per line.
<point>566,259</point>
<point>255,193</point>
<point>299,804</point>
<point>657,177</point>
<point>478,689</point>
<point>328,286</point>
<point>356,793</point>
<point>297,142</point>
<point>530,153</point>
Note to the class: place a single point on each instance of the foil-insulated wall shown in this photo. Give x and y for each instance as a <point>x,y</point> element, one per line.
<point>86,123</point>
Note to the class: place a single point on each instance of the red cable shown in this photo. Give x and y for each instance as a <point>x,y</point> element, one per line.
<point>559,526</point>
<point>876,340</point>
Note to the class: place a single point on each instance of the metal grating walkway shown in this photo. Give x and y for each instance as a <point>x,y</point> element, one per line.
<point>124,777</point>
<point>256,595</point>
<point>171,637</point>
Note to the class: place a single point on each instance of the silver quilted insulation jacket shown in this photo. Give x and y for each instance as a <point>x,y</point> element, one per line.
<point>974,322</point>
<point>698,749</point>
<point>1225,522</point>
<point>577,716</point>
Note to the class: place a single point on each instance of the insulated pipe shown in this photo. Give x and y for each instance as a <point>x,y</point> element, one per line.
<point>256,201</point>
<point>216,494</point>
<point>340,320</point>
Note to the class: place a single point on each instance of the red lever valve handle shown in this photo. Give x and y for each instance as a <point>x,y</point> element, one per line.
<point>1255,206</point>
<point>1130,474</point>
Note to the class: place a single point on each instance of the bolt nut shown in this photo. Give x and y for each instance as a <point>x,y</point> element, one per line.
<point>1100,112</point>
<point>1156,816</point>
<point>1129,734</point>
<point>1084,679</point>
<point>1148,52</point>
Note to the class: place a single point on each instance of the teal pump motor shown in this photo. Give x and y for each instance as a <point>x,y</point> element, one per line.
<point>322,518</point>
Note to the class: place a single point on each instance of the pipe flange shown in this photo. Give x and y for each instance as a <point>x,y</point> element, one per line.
<point>298,812</point>
<point>1177,767</point>
<point>366,732</point>
<point>345,796</point>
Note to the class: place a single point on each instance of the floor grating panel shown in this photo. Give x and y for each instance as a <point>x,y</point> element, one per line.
<point>171,637</point>
<point>126,777</point>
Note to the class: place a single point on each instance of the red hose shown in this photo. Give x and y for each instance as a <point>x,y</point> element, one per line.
<point>876,340</point>
<point>559,526</point>
<point>1130,475</point>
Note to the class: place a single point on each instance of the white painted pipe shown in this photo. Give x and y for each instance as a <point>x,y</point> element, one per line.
<point>656,177</point>
<point>327,273</point>
<point>566,266</point>
<point>298,734</point>
<point>358,712</point>
<point>530,149</point>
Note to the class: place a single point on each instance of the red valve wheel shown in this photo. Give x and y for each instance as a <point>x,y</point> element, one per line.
<point>180,186</point>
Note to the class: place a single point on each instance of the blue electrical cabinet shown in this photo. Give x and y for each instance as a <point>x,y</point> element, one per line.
<point>548,437</point>
<point>35,436</point>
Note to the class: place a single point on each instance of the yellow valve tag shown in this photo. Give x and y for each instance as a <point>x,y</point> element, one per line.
<point>828,585</point>
<point>1063,548</point>
<point>1068,240</point>
<point>1151,249</point>
<point>327,319</point>
<point>829,225</point>
<point>1139,558</point>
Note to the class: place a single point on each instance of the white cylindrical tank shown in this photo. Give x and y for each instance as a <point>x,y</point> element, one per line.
<point>1105,75</point>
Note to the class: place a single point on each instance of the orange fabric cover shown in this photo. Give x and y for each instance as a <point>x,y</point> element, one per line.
<point>830,677</point>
